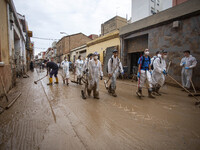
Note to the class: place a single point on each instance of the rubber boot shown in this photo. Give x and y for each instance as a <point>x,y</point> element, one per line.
<point>150,94</point>
<point>154,91</point>
<point>56,80</point>
<point>109,89</point>
<point>50,81</point>
<point>77,80</point>
<point>139,92</point>
<point>89,92</point>
<point>80,81</point>
<point>157,90</point>
<point>113,93</point>
<point>83,94</point>
<point>96,95</point>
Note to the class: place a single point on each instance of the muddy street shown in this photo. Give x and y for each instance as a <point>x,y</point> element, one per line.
<point>170,121</point>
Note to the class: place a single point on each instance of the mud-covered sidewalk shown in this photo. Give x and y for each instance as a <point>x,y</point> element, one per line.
<point>57,118</point>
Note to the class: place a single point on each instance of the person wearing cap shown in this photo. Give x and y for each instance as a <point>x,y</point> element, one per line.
<point>65,66</point>
<point>52,69</point>
<point>86,73</point>
<point>159,72</point>
<point>79,69</point>
<point>144,73</point>
<point>95,71</point>
<point>114,65</point>
<point>187,63</point>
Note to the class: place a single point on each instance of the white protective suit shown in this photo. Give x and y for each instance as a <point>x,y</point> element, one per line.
<point>158,77</point>
<point>152,59</point>
<point>79,68</point>
<point>65,66</point>
<point>186,74</point>
<point>114,66</point>
<point>95,71</point>
<point>86,64</point>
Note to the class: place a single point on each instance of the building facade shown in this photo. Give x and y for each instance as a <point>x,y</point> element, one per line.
<point>175,30</point>
<point>113,24</point>
<point>13,60</point>
<point>67,43</point>
<point>104,46</point>
<point>144,8</point>
<point>177,2</point>
<point>74,53</point>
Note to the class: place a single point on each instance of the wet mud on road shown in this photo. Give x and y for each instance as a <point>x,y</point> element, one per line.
<point>170,121</point>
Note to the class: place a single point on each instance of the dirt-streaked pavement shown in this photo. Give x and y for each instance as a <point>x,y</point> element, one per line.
<point>170,121</point>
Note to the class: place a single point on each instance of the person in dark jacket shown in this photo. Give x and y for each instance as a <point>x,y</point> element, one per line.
<point>31,66</point>
<point>52,68</point>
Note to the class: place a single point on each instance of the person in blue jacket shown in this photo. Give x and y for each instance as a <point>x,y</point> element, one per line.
<point>144,73</point>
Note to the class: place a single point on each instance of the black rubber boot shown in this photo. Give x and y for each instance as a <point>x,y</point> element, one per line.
<point>150,94</point>
<point>109,89</point>
<point>80,81</point>
<point>157,89</point>
<point>83,94</point>
<point>113,93</point>
<point>139,92</point>
<point>89,92</point>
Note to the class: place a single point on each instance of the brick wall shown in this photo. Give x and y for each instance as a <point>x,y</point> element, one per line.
<point>112,24</point>
<point>177,2</point>
<point>70,42</point>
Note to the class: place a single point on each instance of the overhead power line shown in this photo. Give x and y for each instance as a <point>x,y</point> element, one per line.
<point>45,38</point>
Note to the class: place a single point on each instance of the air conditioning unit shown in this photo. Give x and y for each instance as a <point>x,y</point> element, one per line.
<point>11,17</point>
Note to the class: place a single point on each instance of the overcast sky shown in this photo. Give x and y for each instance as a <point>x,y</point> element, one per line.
<point>47,18</point>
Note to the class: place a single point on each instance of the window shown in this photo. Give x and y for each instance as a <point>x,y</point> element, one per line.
<point>153,11</point>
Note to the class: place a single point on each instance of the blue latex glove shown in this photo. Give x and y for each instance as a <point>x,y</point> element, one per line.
<point>150,72</point>
<point>184,63</point>
<point>122,73</point>
<point>187,68</point>
<point>164,72</point>
<point>138,75</point>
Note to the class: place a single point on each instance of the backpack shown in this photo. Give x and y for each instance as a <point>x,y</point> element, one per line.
<point>143,58</point>
<point>111,63</point>
<point>152,67</point>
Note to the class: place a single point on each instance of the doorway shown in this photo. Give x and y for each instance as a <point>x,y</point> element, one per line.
<point>134,62</point>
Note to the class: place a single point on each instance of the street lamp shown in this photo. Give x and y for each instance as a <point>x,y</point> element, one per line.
<point>63,33</point>
<point>69,41</point>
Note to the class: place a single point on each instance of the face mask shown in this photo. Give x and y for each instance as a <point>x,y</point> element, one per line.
<point>80,58</point>
<point>95,57</point>
<point>159,55</point>
<point>146,53</point>
<point>165,56</point>
<point>65,59</point>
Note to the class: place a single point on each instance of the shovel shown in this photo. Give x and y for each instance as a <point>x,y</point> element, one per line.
<point>39,79</point>
<point>197,100</point>
<point>195,92</point>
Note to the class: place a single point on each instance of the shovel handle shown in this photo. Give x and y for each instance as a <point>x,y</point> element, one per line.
<point>193,86</point>
<point>183,87</point>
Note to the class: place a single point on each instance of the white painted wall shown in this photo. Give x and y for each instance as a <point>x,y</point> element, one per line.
<point>166,4</point>
<point>140,9</point>
<point>143,8</point>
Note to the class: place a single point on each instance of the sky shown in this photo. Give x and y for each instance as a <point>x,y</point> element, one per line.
<point>47,18</point>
